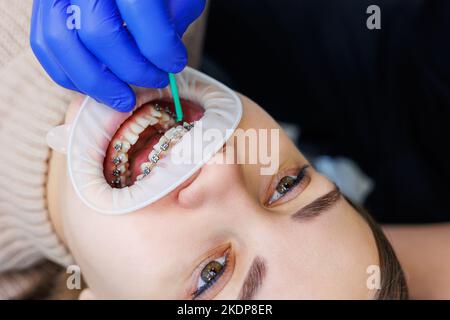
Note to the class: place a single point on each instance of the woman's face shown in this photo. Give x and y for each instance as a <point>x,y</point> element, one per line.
<point>217,237</point>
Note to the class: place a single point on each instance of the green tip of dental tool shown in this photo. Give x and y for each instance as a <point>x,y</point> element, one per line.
<point>176,96</point>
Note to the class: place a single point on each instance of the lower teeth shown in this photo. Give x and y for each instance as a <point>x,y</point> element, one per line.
<point>164,144</point>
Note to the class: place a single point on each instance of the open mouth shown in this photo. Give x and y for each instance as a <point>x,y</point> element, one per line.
<point>116,161</point>
<point>144,138</point>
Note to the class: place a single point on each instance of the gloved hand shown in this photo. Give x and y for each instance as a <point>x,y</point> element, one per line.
<point>103,56</point>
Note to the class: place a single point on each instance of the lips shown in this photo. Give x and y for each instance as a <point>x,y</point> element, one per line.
<point>144,138</point>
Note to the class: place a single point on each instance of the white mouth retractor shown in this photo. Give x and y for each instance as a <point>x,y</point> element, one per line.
<point>95,124</point>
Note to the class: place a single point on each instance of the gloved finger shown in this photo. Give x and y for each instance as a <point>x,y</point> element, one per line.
<point>185,12</point>
<point>80,65</point>
<point>103,33</point>
<point>41,51</point>
<point>150,24</point>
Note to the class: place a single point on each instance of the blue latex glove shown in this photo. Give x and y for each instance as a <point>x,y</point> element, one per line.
<point>103,57</point>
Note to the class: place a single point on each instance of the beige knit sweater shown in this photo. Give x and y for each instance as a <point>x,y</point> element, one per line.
<point>30,105</point>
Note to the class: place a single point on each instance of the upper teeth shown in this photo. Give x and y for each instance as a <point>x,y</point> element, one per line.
<point>136,128</point>
<point>125,146</point>
<point>152,116</point>
<point>152,120</point>
<point>116,160</point>
<point>123,157</point>
<point>118,145</point>
<point>165,117</point>
<point>144,122</point>
<point>155,113</point>
<point>131,137</point>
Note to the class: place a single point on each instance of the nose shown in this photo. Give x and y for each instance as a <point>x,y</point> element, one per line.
<point>222,203</point>
<point>214,183</point>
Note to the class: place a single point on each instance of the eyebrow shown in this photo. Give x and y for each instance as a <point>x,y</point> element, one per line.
<point>319,205</point>
<point>254,279</point>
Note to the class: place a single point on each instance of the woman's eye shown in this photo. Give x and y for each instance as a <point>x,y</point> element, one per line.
<point>210,273</point>
<point>287,184</point>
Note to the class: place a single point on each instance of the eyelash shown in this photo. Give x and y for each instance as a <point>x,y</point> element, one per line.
<point>202,289</point>
<point>199,291</point>
<point>301,180</point>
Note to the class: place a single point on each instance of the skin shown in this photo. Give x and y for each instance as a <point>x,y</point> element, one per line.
<point>423,251</point>
<point>153,252</point>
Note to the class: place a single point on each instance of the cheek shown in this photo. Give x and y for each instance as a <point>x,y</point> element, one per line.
<point>106,249</point>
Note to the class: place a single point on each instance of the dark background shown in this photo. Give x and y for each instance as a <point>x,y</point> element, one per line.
<point>379,97</point>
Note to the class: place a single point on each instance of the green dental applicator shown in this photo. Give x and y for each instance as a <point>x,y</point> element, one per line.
<point>176,96</point>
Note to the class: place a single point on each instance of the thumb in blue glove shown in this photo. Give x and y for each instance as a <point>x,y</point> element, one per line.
<point>103,57</point>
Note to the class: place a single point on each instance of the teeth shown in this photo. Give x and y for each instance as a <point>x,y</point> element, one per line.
<point>131,137</point>
<point>164,146</point>
<point>165,117</point>
<point>120,158</point>
<point>122,168</point>
<point>153,156</point>
<point>151,119</point>
<point>179,130</point>
<point>116,160</point>
<point>146,168</point>
<point>123,157</point>
<point>136,128</point>
<point>162,141</point>
<point>125,146</point>
<point>144,122</point>
<point>168,124</point>
<point>118,145</point>
<point>152,115</point>
<point>155,113</point>
<point>118,182</point>
<point>167,110</point>
<point>170,134</point>
<point>146,165</point>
